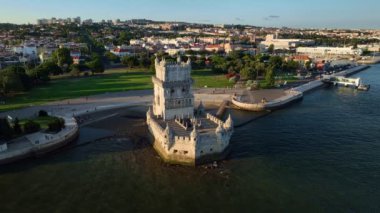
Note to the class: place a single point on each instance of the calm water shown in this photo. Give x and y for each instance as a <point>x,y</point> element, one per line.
<point>322,154</point>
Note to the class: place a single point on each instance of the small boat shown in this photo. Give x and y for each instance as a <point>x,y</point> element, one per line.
<point>364,87</point>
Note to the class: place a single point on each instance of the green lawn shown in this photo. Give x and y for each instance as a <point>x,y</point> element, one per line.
<point>43,121</point>
<point>111,81</point>
<point>206,77</point>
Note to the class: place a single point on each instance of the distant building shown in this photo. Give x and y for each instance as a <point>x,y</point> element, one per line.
<point>286,44</point>
<point>370,47</point>
<point>46,52</point>
<point>77,20</point>
<point>300,58</point>
<point>75,53</point>
<point>87,22</point>
<point>122,51</point>
<point>53,20</point>
<point>26,51</point>
<point>213,48</point>
<point>326,51</point>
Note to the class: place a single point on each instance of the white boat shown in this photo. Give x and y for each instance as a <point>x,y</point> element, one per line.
<point>364,87</point>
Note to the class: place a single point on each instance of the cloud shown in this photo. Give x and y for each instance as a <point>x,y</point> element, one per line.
<point>204,20</point>
<point>271,17</point>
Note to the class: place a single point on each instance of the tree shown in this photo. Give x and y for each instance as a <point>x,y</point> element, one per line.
<point>271,49</point>
<point>62,57</point>
<point>290,66</point>
<point>38,75</point>
<point>51,67</point>
<point>42,113</point>
<point>5,129</point>
<point>269,76</point>
<point>219,64</point>
<point>16,127</point>
<point>75,70</point>
<point>56,124</point>
<point>144,60</point>
<point>96,65</point>
<point>275,62</point>
<point>260,68</point>
<point>129,61</point>
<point>248,73</point>
<point>14,79</point>
<point>112,57</point>
<point>308,65</point>
<point>31,127</point>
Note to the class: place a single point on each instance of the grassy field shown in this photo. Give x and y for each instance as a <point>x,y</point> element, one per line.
<point>115,80</point>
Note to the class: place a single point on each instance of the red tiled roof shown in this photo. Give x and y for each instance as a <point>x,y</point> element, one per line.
<point>301,57</point>
<point>213,46</point>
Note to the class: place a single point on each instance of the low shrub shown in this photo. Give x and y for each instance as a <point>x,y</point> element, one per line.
<point>56,124</point>
<point>31,127</point>
<point>42,113</point>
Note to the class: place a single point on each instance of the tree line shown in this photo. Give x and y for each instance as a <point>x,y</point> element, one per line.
<point>19,78</point>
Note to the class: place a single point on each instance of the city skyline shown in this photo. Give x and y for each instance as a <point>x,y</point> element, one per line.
<point>273,13</point>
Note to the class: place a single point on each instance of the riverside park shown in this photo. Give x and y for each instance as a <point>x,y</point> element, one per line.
<point>112,80</point>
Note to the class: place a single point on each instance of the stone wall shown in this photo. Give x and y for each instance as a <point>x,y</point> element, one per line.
<point>3,147</point>
<point>186,149</point>
<point>248,106</point>
<point>291,95</point>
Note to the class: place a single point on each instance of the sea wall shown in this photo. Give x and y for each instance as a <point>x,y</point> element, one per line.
<point>290,96</point>
<point>40,143</point>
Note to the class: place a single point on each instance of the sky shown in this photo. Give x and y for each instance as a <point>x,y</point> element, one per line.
<point>358,14</point>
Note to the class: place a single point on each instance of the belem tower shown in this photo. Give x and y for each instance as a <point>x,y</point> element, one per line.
<point>183,134</point>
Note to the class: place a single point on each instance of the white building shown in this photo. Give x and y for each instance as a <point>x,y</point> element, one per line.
<point>370,47</point>
<point>326,51</point>
<point>182,136</point>
<point>283,43</point>
<point>122,51</point>
<point>28,51</point>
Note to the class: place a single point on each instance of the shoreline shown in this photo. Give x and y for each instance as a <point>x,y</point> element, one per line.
<point>206,96</point>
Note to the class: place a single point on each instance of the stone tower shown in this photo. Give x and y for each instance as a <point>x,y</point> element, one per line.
<point>173,97</point>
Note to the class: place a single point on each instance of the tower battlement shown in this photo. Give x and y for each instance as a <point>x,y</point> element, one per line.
<point>173,71</point>
<point>173,95</point>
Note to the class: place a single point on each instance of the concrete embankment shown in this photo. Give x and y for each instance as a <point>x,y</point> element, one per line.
<point>289,97</point>
<point>370,60</point>
<point>352,71</point>
<point>292,94</point>
<point>39,143</point>
<point>318,83</point>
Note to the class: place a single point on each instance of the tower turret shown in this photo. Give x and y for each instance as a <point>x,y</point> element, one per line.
<point>194,134</point>
<point>156,61</point>
<point>229,124</point>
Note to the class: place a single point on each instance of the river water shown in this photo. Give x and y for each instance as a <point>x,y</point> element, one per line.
<point>318,155</point>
